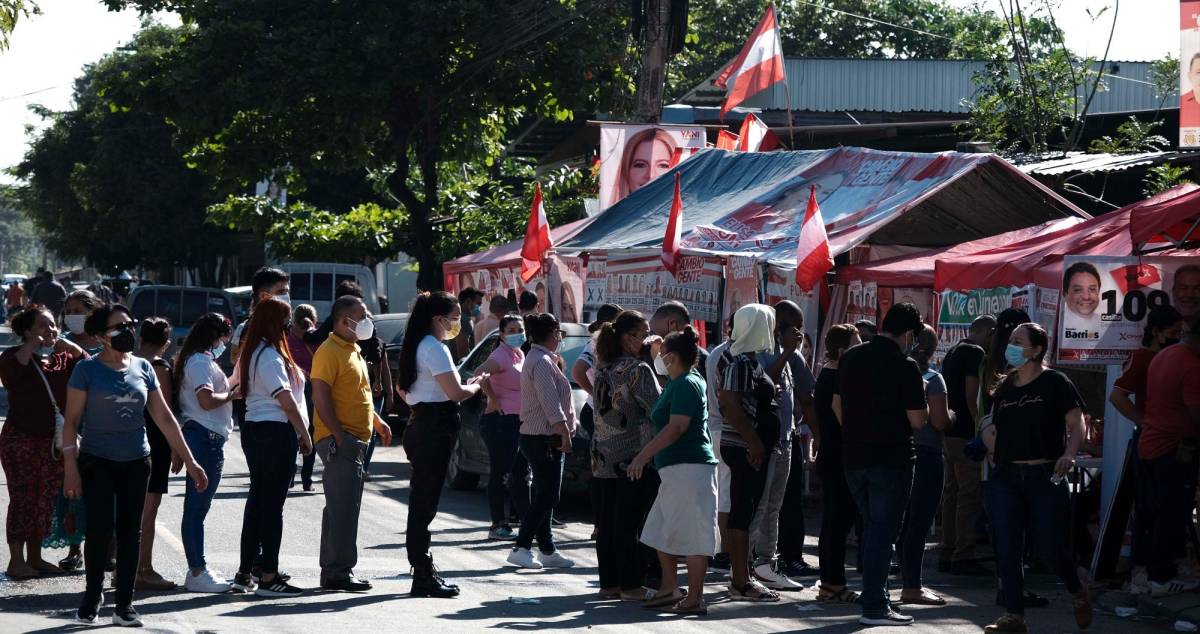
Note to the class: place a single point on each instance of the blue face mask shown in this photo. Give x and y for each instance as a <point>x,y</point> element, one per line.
<point>515,340</point>
<point>475,312</point>
<point>218,349</point>
<point>45,352</point>
<point>1015,355</point>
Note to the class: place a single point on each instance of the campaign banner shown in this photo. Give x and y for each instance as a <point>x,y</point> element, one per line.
<point>638,281</point>
<point>499,281</point>
<point>781,285</point>
<point>957,310</point>
<point>633,155</point>
<point>741,283</point>
<point>1189,73</point>
<point>566,280</point>
<point>1105,301</point>
<point>922,298</point>
<point>595,284</point>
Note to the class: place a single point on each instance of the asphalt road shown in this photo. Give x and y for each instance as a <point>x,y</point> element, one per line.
<point>565,599</point>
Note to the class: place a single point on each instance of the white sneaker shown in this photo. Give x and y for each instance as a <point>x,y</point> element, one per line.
<point>1174,586</point>
<point>523,558</point>
<point>206,581</point>
<point>891,618</point>
<point>773,579</point>
<point>555,560</point>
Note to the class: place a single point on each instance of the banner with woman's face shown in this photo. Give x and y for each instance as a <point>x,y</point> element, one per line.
<point>633,155</point>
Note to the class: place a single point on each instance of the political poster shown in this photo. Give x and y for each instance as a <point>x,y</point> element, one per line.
<point>922,298</point>
<point>1105,300</point>
<point>499,281</point>
<point>863,302</point>
<point>1189,73</point>
<point>638,281</point>
<point>633,155</point>
<point>566,281</point>
<point>781,285</point>
<point>741,283</point>
<point>957,310</point>
<point>595,284</point>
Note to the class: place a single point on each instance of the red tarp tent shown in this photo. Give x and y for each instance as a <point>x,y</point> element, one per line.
<point>1140,227</point>
<point>505,256</point>
<point>915,270</point>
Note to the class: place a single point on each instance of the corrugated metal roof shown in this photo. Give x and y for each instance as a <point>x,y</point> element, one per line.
<point>914,85</point>
<point>1079,162</point>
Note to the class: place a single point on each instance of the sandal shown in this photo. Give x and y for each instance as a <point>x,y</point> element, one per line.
<point>639,594</point>
<point>754,592</point>
<point>842,595</point>
<point>926,598</point>
<point>608,594</point>
<point>663,601</point>
<point>699,609</point>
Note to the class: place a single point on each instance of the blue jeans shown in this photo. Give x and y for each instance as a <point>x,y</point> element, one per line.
<point>1021,497</point>
<point>208,448</point>
<point>547,465</point>
<point>923,504</point>
<point>881,494</point>
<point>507,469</point>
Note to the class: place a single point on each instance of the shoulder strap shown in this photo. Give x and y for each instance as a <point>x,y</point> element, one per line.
<point>37,365</point>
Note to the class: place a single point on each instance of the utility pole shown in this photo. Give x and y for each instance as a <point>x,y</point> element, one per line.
<point>656,49</point>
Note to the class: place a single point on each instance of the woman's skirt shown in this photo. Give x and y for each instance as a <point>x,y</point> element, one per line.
<point>683,520</point>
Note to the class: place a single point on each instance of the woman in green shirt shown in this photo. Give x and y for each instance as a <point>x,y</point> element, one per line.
<point>683,520</point>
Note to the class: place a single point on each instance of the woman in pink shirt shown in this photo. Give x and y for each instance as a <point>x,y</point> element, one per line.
<point>501,428</point>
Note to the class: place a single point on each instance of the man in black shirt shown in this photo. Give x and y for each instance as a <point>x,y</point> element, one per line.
<point>880,400</point>
<point>961,495</point>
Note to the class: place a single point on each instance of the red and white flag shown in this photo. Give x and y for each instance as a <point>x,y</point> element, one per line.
<point>537,237</point>
<point>671,240</point>
<point>755,136</point>
<point>727,140</point>
<point>812,249</point>
<point>759,65</point>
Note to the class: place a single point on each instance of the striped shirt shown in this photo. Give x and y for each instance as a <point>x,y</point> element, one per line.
<point>545,394</point>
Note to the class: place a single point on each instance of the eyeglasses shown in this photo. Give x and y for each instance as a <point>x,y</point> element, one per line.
<point>560,333</point>
<point>123,326</point>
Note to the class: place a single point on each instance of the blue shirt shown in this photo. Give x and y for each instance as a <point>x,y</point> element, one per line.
<point>113,425</point>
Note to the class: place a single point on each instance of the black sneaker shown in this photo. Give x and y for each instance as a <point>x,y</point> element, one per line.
<point>244,582</point>
<point>349,584</point>
<point>721,563</point>
<point>88,612</point>
<point>797,569</point>
<point>257,573</point>
<point>126,616</point>
<point>277,587</point>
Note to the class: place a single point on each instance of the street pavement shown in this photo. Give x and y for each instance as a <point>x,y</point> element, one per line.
<point>564,598</point>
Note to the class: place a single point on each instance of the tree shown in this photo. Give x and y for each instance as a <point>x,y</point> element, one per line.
<point>107,185</point>
<point>401,90</point>
<point>20,246</point>
<point>10,12</point>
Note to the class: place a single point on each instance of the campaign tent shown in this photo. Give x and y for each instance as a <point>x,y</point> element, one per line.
<point>752,203</point>
<point>1165,224</point>
<point>916,270</point>
<point>504,257</point>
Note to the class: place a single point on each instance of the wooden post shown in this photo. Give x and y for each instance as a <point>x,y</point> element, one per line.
<point>652,76</point>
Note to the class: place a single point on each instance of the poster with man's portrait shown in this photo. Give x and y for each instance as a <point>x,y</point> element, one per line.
<point>1189,73</point>
<point>633,155</point>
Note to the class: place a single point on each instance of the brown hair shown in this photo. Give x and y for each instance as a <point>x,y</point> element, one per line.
<point>838,339</point>
<point>620,190</point>
<point>608,340</point>
<point>268,324</point>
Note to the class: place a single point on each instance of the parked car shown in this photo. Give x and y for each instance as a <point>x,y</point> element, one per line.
<point>241,302</point>
<point>390,328</point>
<point>182,306</point>
<point>315,282</point>
<point>469,461</point>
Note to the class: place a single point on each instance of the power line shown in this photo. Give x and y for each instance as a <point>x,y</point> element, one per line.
<point>29,94</point>
<point>870,19</point>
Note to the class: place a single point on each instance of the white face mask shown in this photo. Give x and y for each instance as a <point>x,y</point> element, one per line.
<point>74,323</point>
<point>285,298</point>
<point>363,329</point>
<point>660,366</point>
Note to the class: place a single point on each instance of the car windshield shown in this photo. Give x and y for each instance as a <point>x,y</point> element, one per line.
<point>390,330</point>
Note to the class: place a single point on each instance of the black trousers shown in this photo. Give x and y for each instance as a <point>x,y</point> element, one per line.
<point>428,443</point>
<point>791,515</point>
<point>270,449</point>
<point>113,496</point>
<point>547,466</point>
<point>839,513</point>
<point>623,505</point>
<point>1166,488</point>
<point>306,470</point>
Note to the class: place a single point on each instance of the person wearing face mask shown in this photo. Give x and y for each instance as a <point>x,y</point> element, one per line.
<point>274,431</point>
<point>671,317</point>
<point>304,322</point>
<point>1033,408</point>
<point>106,454</point>
<point>76,309</point>
<point>205,405</point>
<point>928,473</point>
<point>501,428</point>
<point>470,300</point>
<point>548,423</point>
<point>625,391</point>
<point>266,283</point>
<point>155,335</point>
<point>880,401</point>
<point>431,387</point>
<point>31,468</point>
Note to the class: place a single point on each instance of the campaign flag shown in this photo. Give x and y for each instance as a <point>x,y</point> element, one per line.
<point>670,248</point>
<point>537,237</point>
<point>758,66</point>
<point>812,248</point>
<point>727,140</point>
<point>755,136</point>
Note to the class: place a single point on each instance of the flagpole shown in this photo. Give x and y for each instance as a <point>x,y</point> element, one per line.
<point>787,91</point>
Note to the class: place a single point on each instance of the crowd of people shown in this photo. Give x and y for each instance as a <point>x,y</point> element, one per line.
<point>696,455</point>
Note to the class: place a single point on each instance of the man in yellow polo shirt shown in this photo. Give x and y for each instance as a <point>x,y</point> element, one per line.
<point>344,416</point>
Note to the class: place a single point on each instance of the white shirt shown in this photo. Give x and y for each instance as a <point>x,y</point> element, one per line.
<point>268,377</point>
<point>713,379</point>
<point>200,371</point>
<point>588,357</point>
<point>433,359</point>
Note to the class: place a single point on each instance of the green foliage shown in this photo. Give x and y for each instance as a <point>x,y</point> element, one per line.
<point>19,241</point>
<point>11,11</point>
<point>1160,178</point>
<point>1164,74</point>
<point>1132,136</point>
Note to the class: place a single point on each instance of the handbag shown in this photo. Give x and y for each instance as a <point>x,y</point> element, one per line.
<point>59,420</point>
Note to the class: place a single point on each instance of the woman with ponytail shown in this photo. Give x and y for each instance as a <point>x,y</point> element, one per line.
<point>428,382</point>
<point>683,520</point>
<point>625,390</point>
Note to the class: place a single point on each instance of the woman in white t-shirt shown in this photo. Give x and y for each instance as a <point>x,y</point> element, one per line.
<point>276,428</point>
<point>430,385</point>
<point>206,410</point>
